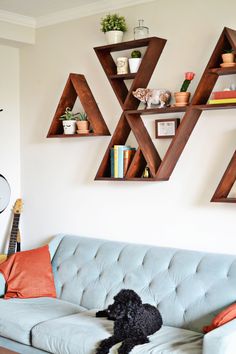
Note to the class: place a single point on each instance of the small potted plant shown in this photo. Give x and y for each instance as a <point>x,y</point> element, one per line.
<point>114,27</point>
<point>135,61</point>
<point>82,123</point>
<point>69,121</point>
<point>228,58</point>
<point>182,97</point>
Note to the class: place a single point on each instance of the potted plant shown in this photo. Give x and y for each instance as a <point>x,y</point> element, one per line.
<point>228,58</point>
<point>69,121</point>
<point>114,27</point>
<point>82,123</point>
<point>135,61</point>
<point>182,97</point>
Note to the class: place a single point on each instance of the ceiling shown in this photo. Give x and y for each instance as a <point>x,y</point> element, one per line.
<point>37,8</point>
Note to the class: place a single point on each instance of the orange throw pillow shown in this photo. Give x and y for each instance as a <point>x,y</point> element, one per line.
<point>29,274</point>
<point>223,317</point>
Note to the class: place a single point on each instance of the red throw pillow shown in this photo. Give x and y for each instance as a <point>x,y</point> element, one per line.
<point>223,317</point>
<point>29,274</point>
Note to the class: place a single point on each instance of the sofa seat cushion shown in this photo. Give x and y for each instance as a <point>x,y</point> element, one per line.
<point>18,316</point>
<point>81,333</point>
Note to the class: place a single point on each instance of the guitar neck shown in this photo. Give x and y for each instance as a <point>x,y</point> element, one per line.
<point>13,237</point>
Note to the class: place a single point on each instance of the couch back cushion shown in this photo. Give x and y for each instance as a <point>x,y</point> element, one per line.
<point>188,287</point>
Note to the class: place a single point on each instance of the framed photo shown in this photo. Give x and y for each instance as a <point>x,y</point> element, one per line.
<point>166,128</point>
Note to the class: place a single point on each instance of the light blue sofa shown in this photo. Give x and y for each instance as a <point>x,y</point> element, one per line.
<point>188,287</point>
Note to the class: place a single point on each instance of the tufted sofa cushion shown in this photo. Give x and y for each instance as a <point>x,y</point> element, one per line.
<point>188,287</point>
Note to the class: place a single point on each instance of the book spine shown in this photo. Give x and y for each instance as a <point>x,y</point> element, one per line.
<point>112,162</point>
<point>128,156</point>
<point>121,161</point>
<point>116,161</point>
<point>223,100</point>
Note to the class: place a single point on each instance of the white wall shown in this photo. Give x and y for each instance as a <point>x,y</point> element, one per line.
<point>59,190</point>
<point>9,133</point>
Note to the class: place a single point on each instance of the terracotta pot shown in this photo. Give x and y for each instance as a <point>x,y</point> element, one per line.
<point>228,57</point>
<point>182,98</point>
<point>83,127</point>
<point>113,37</point>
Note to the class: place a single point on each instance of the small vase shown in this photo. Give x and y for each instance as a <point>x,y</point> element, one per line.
<point>134,64</point>
<point>69,126</point>
<point>83,127</point>
<point>113,37</point>
<point>182,98</point>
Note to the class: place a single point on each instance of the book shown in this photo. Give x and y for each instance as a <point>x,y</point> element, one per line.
<point>119,160</point>
<point>128,157</point>
<point>223,100</point>
<point>217,95</point>
<point>112,162</point>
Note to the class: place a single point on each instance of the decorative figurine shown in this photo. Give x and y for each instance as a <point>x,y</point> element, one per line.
<point>159,97</point>
<point>146,173</point>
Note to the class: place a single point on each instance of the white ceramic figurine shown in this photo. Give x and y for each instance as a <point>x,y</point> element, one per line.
<point>159,97</point>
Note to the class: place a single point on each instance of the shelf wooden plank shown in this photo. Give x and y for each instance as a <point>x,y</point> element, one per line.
<point>208,107</point>
<point>75,135</point>
<point>134,179</point>
<point>129,76</point>
<point>125,45</point>
<point>224,200</point>
<point>148,111</point>
<point>223,71</point>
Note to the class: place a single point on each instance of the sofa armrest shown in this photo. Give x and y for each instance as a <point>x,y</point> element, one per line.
<point>221,340</point>
<point>54,243</point>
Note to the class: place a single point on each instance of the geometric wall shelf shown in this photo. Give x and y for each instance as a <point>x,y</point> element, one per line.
<point>131,118</point>
<point>226,184</point>
<point>77,86</point>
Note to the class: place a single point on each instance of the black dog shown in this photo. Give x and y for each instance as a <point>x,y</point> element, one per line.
<point>134,321</point>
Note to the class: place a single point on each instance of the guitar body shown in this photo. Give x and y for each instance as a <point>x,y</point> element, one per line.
<point>14,243</point>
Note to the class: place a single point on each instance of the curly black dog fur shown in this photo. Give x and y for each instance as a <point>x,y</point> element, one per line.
<point>133,322</point>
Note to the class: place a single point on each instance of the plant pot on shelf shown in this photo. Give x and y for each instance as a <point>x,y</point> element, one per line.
<point>228,57</point>
<point>83,127</point>
<point>182,98</point>
<point>134,64</point>
<point>113,37</point>
<point>69,126</point>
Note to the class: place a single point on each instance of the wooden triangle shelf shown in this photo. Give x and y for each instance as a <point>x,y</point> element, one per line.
<point>226,184</point>
<point>131,118</point>
<point>77,86</point>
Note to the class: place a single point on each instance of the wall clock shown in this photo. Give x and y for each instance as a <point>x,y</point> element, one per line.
<point>5,193</point>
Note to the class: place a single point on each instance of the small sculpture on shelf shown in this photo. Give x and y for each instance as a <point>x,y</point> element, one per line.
<point>160,97</point>
<point>146,172</point>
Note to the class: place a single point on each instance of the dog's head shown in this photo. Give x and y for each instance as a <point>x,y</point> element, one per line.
<point>126,302</point>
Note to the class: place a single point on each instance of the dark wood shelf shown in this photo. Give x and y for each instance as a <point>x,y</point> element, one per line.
<point>218,106</point>
<point>223,71</point>
<point>77,86</point>
<point>74,135</point>
<point>150,111</point>
<point>129,76</point>
<point>136,179</point>
<point>131,120</point>
<point>226,183</point>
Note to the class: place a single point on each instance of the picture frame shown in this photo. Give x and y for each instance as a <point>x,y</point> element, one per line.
<point>166,128</point>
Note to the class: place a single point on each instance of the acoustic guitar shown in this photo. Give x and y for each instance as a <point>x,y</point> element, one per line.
<point>15,242</point>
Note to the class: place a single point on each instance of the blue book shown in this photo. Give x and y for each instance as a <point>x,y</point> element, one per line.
<point>121,149</point>
<point>112,161</point>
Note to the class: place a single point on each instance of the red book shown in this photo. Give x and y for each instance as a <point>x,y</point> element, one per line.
<point>218,95</point>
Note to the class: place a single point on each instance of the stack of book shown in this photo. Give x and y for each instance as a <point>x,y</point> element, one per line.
<point>223,97</point>
<point>121,157</point>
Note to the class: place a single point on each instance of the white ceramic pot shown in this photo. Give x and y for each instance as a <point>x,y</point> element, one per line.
<point>113,37</point>
<point>69,126</point>
<point>134,64</point>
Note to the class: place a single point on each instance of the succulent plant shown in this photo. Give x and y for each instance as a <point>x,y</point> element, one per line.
<point>136,54</point>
